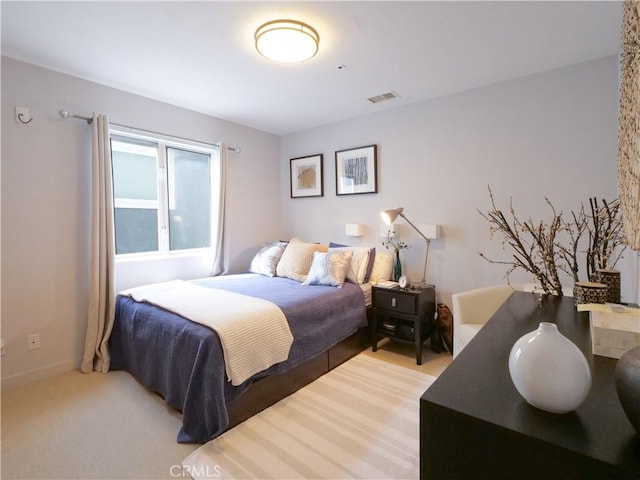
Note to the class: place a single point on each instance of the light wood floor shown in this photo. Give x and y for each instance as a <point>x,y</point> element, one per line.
<point>404,355</point>
<point>107,426</point>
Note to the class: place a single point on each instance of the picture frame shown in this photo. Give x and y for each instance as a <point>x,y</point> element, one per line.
<point>357,170</point>
<point>306,176</point>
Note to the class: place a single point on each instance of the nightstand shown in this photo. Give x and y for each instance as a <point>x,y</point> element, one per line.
<point>403,314</point>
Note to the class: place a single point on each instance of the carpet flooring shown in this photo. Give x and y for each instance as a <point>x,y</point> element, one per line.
<point>91,427</point>
<point>361,420</point>
<point>107,426</point>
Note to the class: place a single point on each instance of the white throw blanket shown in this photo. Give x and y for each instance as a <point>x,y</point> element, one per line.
<point>254,332</point>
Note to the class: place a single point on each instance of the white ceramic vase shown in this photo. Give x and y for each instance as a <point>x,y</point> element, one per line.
<point>549,371</point>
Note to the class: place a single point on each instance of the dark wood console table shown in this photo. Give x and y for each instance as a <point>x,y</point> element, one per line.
<point>475,425</point>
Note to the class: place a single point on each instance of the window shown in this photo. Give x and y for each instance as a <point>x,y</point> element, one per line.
<point>164,191</point>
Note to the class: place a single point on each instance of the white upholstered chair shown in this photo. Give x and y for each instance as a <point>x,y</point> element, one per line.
<point>472,309</point>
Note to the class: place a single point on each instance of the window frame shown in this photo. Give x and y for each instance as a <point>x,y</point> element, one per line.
<point>162,178</point>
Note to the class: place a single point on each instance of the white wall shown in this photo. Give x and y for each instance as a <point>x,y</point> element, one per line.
<point>45,207</point>
<point>553,134</point>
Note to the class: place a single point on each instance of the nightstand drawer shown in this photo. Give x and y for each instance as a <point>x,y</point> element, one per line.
<point>395,302</point>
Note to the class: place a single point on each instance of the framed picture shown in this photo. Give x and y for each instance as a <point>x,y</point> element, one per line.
<point>306,176</point>
<point>356,171</point>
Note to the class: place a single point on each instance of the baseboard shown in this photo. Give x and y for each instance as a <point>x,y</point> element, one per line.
<point>39,374</point>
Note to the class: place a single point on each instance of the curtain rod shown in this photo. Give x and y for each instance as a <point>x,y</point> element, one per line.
<point>89,120</point>
<point>65,114</point>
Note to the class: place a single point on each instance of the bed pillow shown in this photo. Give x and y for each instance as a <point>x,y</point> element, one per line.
<point>382,267</point>
<point>297,258</point>
<point>372,259</point>
<point>329,268</point>
<point>267,258</point>
<point>358,269</point>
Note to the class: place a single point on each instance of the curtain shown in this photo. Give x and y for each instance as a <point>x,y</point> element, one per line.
<point>635,279</point>
<point>629,128</point>
<point>102,281</point>
<point>217,239</point>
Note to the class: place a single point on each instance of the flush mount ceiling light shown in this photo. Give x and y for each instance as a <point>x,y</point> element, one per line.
<point>287,41</point>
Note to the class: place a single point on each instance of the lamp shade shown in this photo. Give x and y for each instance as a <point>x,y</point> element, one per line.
<point>389,216</point>
<point>287,41</point>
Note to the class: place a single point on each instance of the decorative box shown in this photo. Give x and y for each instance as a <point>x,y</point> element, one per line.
<point>614,328</point>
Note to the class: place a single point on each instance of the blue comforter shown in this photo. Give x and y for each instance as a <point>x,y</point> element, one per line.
<point>183,361</point>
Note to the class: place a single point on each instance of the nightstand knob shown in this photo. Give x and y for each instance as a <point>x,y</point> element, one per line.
<point>393,302</point>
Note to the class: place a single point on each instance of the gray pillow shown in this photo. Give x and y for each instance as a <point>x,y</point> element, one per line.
<point>266,260</point>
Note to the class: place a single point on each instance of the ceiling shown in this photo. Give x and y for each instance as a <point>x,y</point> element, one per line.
<point>201,55</point>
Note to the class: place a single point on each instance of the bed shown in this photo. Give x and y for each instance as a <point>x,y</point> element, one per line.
<point>183,361</point>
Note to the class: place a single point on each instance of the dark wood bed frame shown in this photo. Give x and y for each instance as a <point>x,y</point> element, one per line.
<point>270,390</point>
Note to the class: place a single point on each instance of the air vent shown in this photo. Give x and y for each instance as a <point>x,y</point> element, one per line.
<point>383,97</point>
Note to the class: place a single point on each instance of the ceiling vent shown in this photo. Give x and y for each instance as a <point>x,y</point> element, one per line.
<point>383,97</point>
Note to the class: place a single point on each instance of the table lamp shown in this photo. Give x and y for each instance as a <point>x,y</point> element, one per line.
<point>429,233</point>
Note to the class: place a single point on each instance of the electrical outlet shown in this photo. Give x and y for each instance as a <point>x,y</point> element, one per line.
<point>33,341</point>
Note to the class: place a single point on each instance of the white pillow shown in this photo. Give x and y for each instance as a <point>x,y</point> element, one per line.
<point>382,267</point>
<point>357,271</point>
<point>329,268</point>
<point>265,261</point>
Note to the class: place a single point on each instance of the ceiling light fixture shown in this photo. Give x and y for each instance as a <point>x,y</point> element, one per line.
<point>287,41</point>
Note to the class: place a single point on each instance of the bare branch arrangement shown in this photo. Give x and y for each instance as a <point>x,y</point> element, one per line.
<point>393,244</point>
<point>575,230</point>
<point>606,235</point>
<point>534,245</point>
<point>540,249</point>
